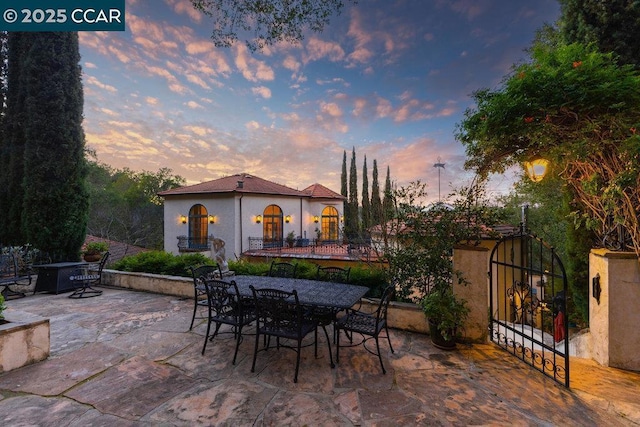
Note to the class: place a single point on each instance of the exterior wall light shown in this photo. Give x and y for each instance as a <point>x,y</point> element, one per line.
<point>536,168</point>
<point>287,219</point>
<point>316,219</point>
<point>341,218</point>
<point>183,219</point>
<point>258,219</point>
<point>212,219</point>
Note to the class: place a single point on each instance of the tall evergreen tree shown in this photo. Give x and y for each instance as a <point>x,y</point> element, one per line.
<point>4,146</point>
<point>353,223</point>
<point>344,188</point>
<point>387,201</point>
<point>366,205</point>
<point>376,202</point>
<point>56,204</point>
<point>13,142</point>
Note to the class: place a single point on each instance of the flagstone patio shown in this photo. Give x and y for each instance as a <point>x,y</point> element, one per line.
<point>128,359</point>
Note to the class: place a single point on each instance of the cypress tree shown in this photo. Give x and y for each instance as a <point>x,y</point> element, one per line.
<point>13,142</point>
<point>4,146</point>
<point>55,197</point>
<point>343,188</point>
<point>376,202</point>
<point>366,205</point>
<point>387,201</point>
<point>354,223</point>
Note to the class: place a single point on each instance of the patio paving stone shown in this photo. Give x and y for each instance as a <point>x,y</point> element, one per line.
<point>128,359</point>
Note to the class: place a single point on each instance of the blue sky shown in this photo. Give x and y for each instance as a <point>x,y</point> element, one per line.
<point>388,77</point>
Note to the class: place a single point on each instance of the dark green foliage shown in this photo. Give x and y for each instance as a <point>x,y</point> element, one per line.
<point>352,217</point>
<point>370,276</point>
<point>366,205</point>
<point>387,201</point>
<point>56,202</point>
<point>125,206</point>
<point>13,143</point>
<point>421,239</point>
<point>246,268</point>
<point>160,262</point>
<point>4,145</point>
<point>613,26</point>
<point>264,23</point>
<point>376,202</point>
<point>344,185</point>
<point>579,109</point>
<point>579,242</point>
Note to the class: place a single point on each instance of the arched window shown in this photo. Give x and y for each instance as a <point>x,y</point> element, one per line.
<point>198,227</point>
<point>272,226</point>
<point>330,223</point>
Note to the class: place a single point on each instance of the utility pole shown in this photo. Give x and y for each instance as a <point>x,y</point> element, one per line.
<point>439,165</point>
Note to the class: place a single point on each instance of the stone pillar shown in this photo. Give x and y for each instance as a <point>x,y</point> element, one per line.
<point>473,262</point>
<point>614,320</point>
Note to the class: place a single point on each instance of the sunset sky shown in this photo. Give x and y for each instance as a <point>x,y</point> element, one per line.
<point>391,78</point>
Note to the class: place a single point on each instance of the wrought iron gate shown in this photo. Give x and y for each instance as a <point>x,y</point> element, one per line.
<point>528,310</point>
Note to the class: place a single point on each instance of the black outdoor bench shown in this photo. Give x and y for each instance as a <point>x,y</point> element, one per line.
<point>10,275</point>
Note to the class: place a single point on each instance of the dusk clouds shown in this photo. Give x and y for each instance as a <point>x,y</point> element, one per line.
<point>386,77</point>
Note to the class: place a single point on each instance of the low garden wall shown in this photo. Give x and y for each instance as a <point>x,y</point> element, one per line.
<point>24,339</point>
<point>405,316</point>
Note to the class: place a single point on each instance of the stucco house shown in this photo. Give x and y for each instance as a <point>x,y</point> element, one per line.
<point>248,212</point>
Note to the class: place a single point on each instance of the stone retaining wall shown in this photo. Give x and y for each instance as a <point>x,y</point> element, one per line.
<point>24,339</point>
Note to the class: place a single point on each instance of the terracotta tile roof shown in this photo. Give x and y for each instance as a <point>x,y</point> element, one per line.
<point>319,191</point>
<point>239,183</point>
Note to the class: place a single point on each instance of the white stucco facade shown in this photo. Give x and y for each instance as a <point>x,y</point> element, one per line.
<point>235,214</point>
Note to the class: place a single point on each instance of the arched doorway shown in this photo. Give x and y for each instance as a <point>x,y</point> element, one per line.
<point>198,227</point>
<point>330,225</point>
<point>272,226</point>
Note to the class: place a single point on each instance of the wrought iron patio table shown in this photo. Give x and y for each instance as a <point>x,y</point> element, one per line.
<point>311,293</point>
<point>314,293</point>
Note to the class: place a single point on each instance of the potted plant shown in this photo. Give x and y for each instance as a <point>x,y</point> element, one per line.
<point>93,251</point>
<point>419,244</point>
<point>446,315</point>
<point>291,238</point>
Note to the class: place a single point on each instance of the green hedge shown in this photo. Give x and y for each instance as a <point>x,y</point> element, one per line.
<point>160,262</point>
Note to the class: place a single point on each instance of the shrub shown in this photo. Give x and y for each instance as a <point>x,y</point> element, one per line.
<point>160,262</point>
<point>2,307</point>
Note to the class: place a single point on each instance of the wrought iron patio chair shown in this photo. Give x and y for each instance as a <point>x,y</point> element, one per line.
<point>327,315</point>
<point>209,272</point>
<point>368,325</point>
<point>10,275</point>
<point>226,307</point>
<point>283,269</point>
<point>280,315</point>
<point>85,278</point>
<point>333,274</point>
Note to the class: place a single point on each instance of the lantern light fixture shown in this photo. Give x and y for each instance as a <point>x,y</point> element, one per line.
<point>183,219</point>
<point>212,219</point>
<point>316,219</point>
<point>536,168</point>
<point>258,219</point>
<point>287,219</point>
